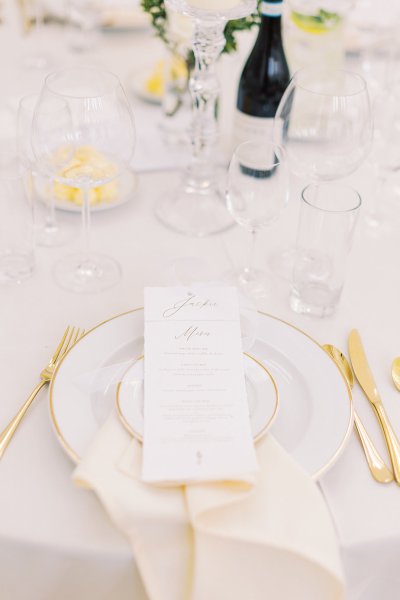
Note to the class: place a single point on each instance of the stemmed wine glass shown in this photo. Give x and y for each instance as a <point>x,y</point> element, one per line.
<point>324,123</point>
<point>83,136</point>
<point>50,232</point>
<point>384,159</point>
<point>257,193</point>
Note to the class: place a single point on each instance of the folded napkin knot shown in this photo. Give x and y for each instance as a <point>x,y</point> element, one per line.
<point>272,537</point>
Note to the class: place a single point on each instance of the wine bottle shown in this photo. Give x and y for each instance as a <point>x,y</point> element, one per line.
<point>264,79</point>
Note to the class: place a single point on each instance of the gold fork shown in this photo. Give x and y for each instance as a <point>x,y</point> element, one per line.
<point>70,337</point>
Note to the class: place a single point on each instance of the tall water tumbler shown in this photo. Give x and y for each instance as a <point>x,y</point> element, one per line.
<point>328,217</point>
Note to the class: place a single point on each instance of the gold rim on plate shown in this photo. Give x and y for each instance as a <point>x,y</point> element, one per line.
<point>350,424</point>
<point>73,455</point>
<point>138,435</point>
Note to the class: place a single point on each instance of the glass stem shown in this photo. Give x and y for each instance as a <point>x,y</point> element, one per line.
<point>209,41</point>
<point>85,222</point>
<point>51,221</point>
<point>250,264</point>
<point>374,214</point>
<point>32,203</point>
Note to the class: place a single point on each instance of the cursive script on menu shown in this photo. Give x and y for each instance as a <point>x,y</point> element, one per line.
<point>191,301</point>
<point>196,416</point>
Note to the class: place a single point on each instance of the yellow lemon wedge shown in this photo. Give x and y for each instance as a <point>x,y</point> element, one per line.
<point>178,68</point>
<point>319,23</point>
<point>155,84</point>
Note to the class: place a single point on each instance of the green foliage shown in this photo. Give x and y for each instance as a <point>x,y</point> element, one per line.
<point>156,10</point>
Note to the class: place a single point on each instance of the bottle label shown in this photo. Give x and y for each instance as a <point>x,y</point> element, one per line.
<point>248,127</point>
<point>271,9</point>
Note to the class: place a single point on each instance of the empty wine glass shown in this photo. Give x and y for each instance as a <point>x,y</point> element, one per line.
<point>324,123</point>
<point>49,232</point>
<point>384,160</point>
<point>84,19</point>
<point>83,136</point>
<point>257,192</point>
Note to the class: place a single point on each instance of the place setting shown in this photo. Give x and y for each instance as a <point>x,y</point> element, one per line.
<point>195,366</point>
<point>270,363</point>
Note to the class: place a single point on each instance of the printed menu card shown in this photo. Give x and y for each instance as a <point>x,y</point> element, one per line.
<point>196,416</point>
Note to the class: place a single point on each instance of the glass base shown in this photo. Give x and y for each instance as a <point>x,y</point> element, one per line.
<point>87,274</point>
<point>282,263</point>
<point>14,268</point>
<point>315,300</point>
<point>187,271</point>
<point>194,212</point>
<point>36,61</point>
<point>253,283</point>
<point>54,236</point>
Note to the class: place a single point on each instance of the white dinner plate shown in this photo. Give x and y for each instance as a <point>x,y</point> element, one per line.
<point>315,413</point>
<point>262,397</point>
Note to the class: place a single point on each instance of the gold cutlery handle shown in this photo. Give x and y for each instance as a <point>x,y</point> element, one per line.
<point>8,432</point>
<point>379,470</point>
<point>392,442</point>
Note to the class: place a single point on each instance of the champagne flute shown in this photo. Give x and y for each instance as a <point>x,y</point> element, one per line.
<point>48,233</point>
<point>257,193</point>
<point>324,123</point>
<point>83,136</point>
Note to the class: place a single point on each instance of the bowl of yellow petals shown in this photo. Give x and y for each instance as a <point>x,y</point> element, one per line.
<point>113,193</point>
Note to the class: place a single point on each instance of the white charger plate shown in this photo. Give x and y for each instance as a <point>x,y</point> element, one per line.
<point>262,397</point>
<point>315,410</point>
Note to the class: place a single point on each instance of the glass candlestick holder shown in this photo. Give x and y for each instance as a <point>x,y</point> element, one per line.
<point>197,206</point>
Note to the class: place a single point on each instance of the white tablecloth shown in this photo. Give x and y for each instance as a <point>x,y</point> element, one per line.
<point>55,540</point>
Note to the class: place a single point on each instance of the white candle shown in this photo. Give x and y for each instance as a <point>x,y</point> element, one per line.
<point>180,27</point>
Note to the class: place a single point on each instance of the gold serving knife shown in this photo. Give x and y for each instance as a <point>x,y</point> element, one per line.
<point>366,381</point>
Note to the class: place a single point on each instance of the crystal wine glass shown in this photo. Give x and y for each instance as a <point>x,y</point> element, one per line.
<point>83,136</point>
<point>324,123</point>
<point>50,232</point>
<point>384,160</point>
<point>257,192</point>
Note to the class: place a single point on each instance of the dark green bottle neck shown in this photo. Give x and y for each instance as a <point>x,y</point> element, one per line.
<point>270,27</point>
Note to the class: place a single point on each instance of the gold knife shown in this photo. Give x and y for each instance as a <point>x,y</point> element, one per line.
<point>366,381</point>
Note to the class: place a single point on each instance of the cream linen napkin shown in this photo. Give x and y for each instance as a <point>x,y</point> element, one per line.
<point>219,541</point>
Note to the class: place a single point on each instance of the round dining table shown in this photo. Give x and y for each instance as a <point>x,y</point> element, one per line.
<point>56,541</point>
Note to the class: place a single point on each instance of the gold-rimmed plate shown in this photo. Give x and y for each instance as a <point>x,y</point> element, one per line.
<point>262,397</point>
<point>315,413</point>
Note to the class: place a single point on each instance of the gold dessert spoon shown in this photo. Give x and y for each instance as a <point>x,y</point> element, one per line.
<point>379,470</point>
<point>396,372</point>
